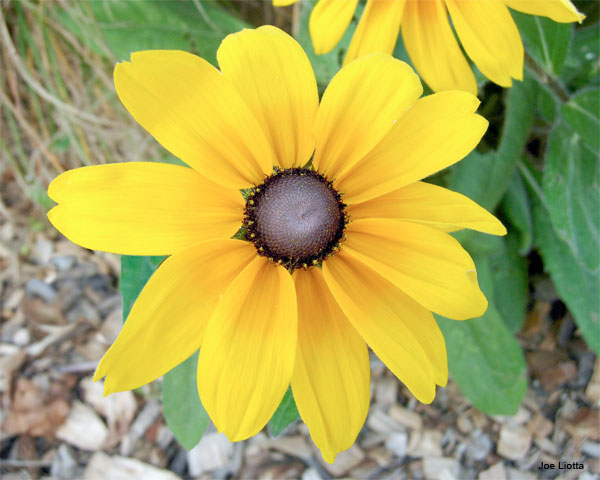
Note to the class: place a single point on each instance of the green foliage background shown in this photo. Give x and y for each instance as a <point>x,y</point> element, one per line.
<point>549,199</point>
<point>537,168</point>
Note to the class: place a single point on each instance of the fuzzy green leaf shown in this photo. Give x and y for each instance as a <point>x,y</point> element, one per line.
<point>285,414</point>
<point>485,177</point>
<point>577,286</point>
<point>182,408</point>
<point>483,356</point>
<point>516,207</point>
<point>327,65</point>
<point>571,184</point>
<point>582,67</point>
<point>547,103</point>
<point>135,272</point>
<point>131,25</point>
<point>546,41</point>
<point>581,114</point>
<point>509,274</point>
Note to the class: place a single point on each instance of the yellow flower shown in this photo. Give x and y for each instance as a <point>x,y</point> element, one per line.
<point>485,28</point>
<point>380,233</point>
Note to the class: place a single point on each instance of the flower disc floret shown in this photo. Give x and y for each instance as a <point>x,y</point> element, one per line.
<point>295,218</point>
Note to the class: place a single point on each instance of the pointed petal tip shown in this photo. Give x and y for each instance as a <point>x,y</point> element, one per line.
<point>100,371</point>
<point>51,215</point>
<point>52,189</point>
<point>110,387</point>
<point>482,304</point>
<point>518,75</point>
<point>329,457</point>
<point>427,396</point>
<point>239,435</point>
<point>499,229</point>
<point>121,66</point>
<point>61,183</point>
<point>97,376</point>
<point>476,101</point>
<point>234,432</point>
<point>484,123</point>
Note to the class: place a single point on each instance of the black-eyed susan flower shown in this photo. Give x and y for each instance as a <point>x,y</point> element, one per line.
<point>347,250</point>
<point>485,28</point>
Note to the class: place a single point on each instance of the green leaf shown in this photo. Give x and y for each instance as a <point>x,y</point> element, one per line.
<point>547,103</point>
<point>285,414</point>
<point>516,208</point>
<point>483,356</point>
<point>581,114</point>
<point>571,185</point>
<point>401,54</point>
<point>517,125</point>
<point>182,408</point>
<point>135,272</point>
<point>546,41</point>
<point>509,274</point>
<point>327,65</point>
<point>471,175</point>
<point>485,177</point>
<point>582,67</point>
<point>131,25</point>
<point>577,286</point>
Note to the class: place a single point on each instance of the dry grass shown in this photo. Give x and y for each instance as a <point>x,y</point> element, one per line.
<point>59,109</point>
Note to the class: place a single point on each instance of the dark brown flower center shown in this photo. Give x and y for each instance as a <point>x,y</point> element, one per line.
<point>295,218</point>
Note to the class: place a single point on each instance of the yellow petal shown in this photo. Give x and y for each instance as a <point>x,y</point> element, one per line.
<point>432,48</point>
<point>167,321</point>
<point>432,205</point>
<point>275,78</point>
<point>377,30</point>
<point>562,11</point>
<point>490,37</point>
<point>328,22</point>
<point>142,208</point>
<point>359,107</point>
<point>331,375</point>
<point>283,3</point>
<point>195,113</point>
<point>402,333</point>
<point>436,132</point>
<point>428,265</point>
<point>248,351</point>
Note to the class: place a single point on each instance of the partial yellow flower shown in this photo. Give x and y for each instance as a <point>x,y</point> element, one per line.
<point>349,250</point>
<point>485,28</point>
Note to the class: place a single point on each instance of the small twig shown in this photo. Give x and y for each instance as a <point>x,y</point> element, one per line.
<point>72,40</point>
<point>4,100</point>
<point>83,367</point>
<point>35,350</point>
<point>296,19</point>
<point>35,85</point>
<point>25,463</point>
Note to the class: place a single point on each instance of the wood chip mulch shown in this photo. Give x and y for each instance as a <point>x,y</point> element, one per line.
<point>61,309</point>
